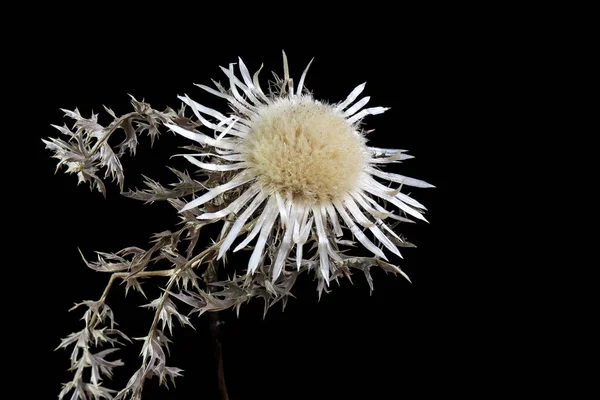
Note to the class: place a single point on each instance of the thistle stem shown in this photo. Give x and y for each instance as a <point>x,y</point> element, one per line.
<point>210,275</point>
<point>215,330</point>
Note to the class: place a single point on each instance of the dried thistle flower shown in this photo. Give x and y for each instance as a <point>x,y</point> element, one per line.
<point>305,162</point>
<point>289,171</point>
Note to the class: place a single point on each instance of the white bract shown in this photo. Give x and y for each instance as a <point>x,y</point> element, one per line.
<point>298,166</point>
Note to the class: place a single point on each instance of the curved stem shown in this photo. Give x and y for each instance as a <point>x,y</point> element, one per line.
<point>123,275</point>
<point>113,127</point>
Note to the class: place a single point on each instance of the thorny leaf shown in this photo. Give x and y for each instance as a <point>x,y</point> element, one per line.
<point>112,163</point>
<point>131,140</point>
<point>365,264</point>
<point>104,263</point>
<point>135,284</point>
<point>166,313</point>
<point>156,192</point>
<point>100,366</point>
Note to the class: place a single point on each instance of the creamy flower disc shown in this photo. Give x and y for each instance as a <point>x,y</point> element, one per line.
<point>303,150</point>
<point>302,170</point>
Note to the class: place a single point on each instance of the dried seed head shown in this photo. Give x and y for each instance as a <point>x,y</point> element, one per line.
<point>304,150</point>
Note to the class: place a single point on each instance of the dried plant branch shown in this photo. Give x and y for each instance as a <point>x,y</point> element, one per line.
<point>86,149</point>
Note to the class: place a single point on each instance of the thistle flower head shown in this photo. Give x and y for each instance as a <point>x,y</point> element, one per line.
<point>304,150</point>
<point>293,170</point>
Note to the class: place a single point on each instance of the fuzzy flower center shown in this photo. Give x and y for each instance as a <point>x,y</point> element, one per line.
<point>304,150</point>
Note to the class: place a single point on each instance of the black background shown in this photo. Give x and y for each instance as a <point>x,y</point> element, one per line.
<point>440,335</point>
